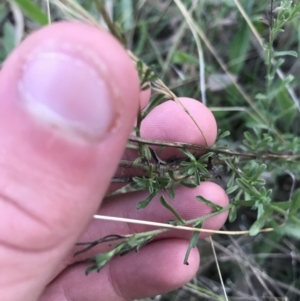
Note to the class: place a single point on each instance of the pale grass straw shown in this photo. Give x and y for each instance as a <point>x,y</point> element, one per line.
<point>218,268</point>
<point>74,11</point>
<point>260,274</point>
<point>248,258</point>
<point>48,11</point>
<point>163,225</point>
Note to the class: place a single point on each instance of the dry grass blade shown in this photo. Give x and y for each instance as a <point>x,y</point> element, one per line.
<point>218,268</point>
<point>177,227</point>
<point>192,26</point>
<point>74,11</point>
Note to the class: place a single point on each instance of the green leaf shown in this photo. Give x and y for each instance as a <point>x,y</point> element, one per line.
<point>131,145</point>
<point>158,99</point>
<point>197,178</point>
<point>290,229</point>
<point>164,202</point>
<point>286,108</point>
<point>192,244</point>
<point>146,153</point>
<point>247,187</point>
<point>284,205</point>
<point>260,182</point>
<point>280,85</point>
<point>139,66</point>
<point>180,57</point>
<point>33,11</point>
<point>214,206</point>
<point>147,76</point>
<point>171,174</point>
<point>190,171</point>
<point>260,96</point>
<point>249,137</point>
<point>239,46</point>
<point>137,160</point>
<point>9,38</point>
<point>232,189</point>
<point>143,36</point>
<point>204,157</point>
<point>277,31</point>
<point>141,183</point>
<point>295,202</point>
<point>284,53</point>
<point>100,260</point>
<point>146,202</point>
<point>188,185</point>
<point>201,168</point>
<point>276,66</point>
<point>224,134</point>
<point>258,170</point>
<point>232,213</point>
<point>257,226</point>
<point>145,87</point>
<point>171,192</point>
<point>188,154</point>
<point>231,180</point>
<point>135,242</point>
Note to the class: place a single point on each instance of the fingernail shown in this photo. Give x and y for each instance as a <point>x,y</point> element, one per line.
<point>67,90</point>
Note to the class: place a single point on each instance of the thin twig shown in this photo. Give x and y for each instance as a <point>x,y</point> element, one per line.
<point>218,268</point>
<point>168,226</point>
<point>263,155</point>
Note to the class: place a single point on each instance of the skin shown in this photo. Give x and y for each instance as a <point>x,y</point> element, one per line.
<point>54,180</point>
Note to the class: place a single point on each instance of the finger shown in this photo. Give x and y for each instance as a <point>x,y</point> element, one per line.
<point>66,112</point>
<point>155,269</point>
<point>185,203</point>
<point>172,123</point>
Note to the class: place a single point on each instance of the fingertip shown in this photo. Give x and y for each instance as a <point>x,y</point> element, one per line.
<point>76,64</point>
<point>170,122</point>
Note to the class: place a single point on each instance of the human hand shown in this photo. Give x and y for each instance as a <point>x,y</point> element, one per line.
<point>69,98</point>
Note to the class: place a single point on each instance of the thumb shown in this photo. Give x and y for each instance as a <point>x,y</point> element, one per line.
<point>68,100</point>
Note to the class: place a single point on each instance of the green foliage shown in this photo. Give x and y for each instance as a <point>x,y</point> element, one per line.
<point>210,204</point>
<point>192,244</point>
<point>131,244</point>
<point>181,57</point>
<point>239,47</point>
<point>145,76</point>
<point>194,167</point>
<point>33,11</point>
<point>260,222</point>
<point>258,143</point>
<point>154,102</point>
<point>164,202</point>
<point>8,38</point>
